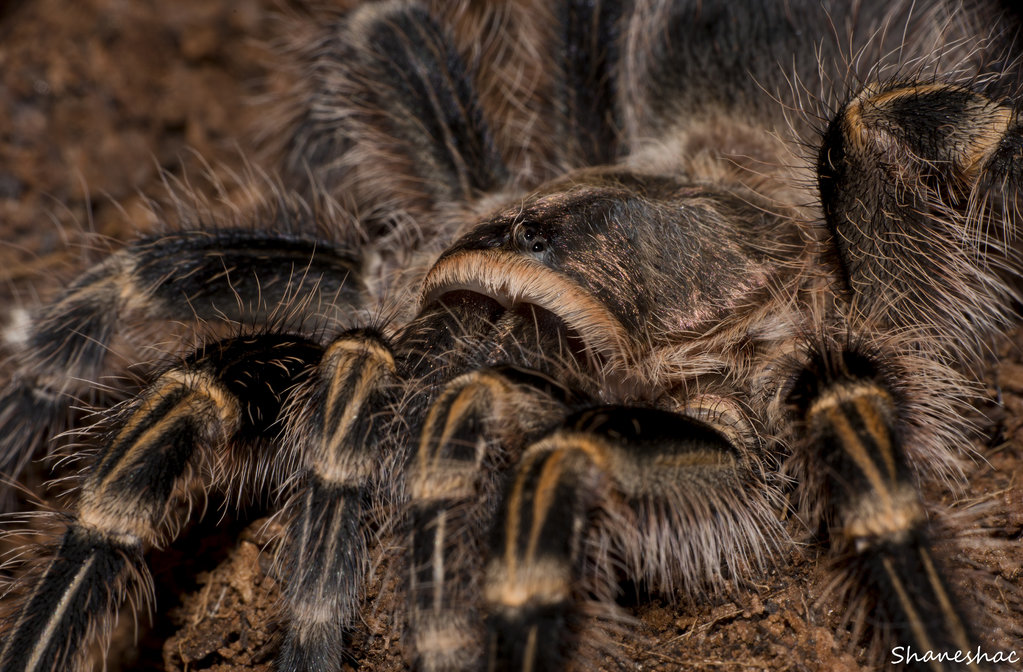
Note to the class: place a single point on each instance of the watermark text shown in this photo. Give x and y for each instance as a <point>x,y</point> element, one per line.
<point>906,654</point>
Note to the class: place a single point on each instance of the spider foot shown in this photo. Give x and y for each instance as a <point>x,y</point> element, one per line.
<point>854,425</point>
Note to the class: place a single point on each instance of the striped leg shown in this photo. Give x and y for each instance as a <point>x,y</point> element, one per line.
<point>854,432</point>
<point>338,432</point>
<point>185,278</point>
<point>921,186</point>
<point>480,421</point>
<point>160,447</point>
<point>671,496</point>
<point>392,124</point>
<point>587,87</point>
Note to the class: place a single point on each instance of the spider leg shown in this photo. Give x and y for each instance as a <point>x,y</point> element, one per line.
<point>393,122</point>
<point>477,423</point>
<point>339,432</point>
<point>679,502</point>
<point>586,86</point>
<point>160,448</point>
<point>851,418</point>
<point>184,278</point>
<point>921,190</point>
<point>395,119</point>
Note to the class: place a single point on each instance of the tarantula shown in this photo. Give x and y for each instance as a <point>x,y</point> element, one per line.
<point>655,275</point>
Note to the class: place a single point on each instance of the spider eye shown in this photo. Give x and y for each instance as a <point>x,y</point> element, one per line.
<point>531,239</point>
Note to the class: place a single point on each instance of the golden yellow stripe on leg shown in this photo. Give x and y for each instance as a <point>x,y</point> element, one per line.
<point>424,483</point>
<point>374,363</point>
<point>829,405</point>
<point>480,392</point>
<point>478,389</point>
<point>890,508</point>
<point>550,477</point>
<point>437,477</point>
<point>342,354</point>
<point>595,450</point>
<point>848,392</point>
<point>151,398</point>
<point>879,430</point>
<point>529,655</point>
<point>855,449</point>
<point>438,559</point>
<point>915,624</point>
<point>208,386</point>
<point>951,618</point>
<point>870,99</point>
<point>203,388</point>
<point>364,346</point>
<point>207,400</point>
<point>330,463</point>
<point>466,402</point>
<point>563,444</point>
<point>151,437</point>
<point>514,506</point>
<point>58,615</point>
